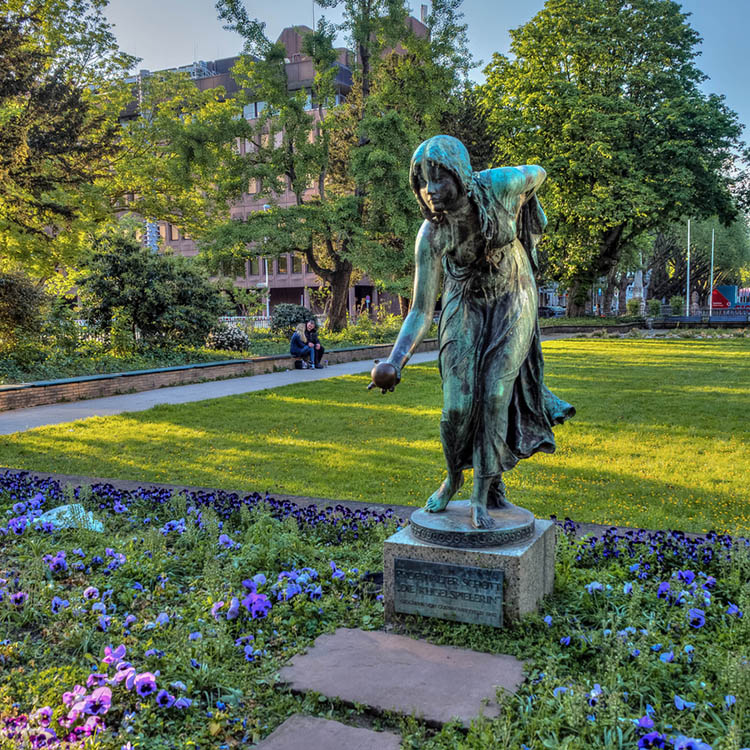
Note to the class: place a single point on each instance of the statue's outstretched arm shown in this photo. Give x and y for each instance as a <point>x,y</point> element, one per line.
<point>419,320</point>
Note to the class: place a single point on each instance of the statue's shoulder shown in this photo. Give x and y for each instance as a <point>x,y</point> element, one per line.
<point>502,180</point>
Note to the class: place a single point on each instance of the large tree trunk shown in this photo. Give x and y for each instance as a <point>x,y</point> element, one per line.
<point>607,257</point>
<point>578,293</point>
<point>339,280</point>
<point>609,291</point>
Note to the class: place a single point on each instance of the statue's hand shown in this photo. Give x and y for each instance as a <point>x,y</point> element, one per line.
<point>384,376</point>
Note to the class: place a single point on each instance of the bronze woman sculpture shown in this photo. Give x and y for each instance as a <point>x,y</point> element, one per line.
<point>480,229</point>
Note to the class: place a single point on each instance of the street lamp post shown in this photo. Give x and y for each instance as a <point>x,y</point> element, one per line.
<point>687,290</point>
<point>711,280</point>
<point>266,209</point>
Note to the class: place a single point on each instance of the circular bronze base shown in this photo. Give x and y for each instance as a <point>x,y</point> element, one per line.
<point>452,527</point>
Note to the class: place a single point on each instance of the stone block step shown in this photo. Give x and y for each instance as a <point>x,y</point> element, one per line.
<point>300,732</point>
<point>389,672</point>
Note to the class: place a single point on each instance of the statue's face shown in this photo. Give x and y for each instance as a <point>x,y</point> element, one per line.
<point>438,188</point>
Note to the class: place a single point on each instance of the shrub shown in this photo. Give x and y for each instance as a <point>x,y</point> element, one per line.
<point>228,338</point>
<point>286,317</point>
<point>163,297</point>
<point>633,306</point>
<point>654,308</point>
<point>678,304</point>
<point>21,302</point>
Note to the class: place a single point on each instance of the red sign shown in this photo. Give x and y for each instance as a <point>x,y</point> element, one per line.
<point>719,301</point>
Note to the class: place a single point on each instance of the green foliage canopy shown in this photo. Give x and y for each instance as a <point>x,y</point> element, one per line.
<point>605,95</point>
<point>361,214</point>
<point>21,303</point>
<point>60,96</point>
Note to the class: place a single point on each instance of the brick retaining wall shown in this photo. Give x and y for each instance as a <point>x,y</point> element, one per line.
<point>24,395</point>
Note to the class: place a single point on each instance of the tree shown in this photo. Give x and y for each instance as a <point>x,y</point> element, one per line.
<point>181,140</point>
<point>466,120</point>
<point>605,95</point>
<point>60,96</point>
<point>361,214</point>
<point>164,298</point>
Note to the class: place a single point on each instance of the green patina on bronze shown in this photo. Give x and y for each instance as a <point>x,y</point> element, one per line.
<point>480,235</point>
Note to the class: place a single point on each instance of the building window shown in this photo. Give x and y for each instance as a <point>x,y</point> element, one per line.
<point>174,233</point>
<point>296,263</point>
<point>163,231</point>
<point>283,264</point>
<point>253,267</point>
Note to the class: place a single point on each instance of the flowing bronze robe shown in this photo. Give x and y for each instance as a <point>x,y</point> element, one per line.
<point>496,409</point>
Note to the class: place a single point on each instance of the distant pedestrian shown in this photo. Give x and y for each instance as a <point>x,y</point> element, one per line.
<point>300,347</point>
<point>311,334</point>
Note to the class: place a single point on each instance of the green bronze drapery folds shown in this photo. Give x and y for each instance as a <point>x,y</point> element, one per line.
<point>480,234</point>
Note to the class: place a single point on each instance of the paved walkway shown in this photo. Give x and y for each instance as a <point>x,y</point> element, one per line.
<point>20,420</point>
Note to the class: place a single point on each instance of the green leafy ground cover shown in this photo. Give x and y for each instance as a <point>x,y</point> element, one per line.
<point>167,631</point>
<point>661,439</point>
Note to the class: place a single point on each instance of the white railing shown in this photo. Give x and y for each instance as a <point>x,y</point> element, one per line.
<point>257,321</point>
<point>243,321</point>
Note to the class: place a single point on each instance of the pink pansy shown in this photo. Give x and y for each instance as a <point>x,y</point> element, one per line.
<point>72,696</point>
<point>111,656</point>
<point>128,675</point>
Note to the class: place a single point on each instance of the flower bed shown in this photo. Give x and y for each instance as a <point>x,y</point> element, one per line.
<point>167,630</point>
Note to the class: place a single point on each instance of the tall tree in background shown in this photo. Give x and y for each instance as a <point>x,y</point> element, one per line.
<point>61,92</point>
<point>288,146</point>
<point>466,120</point>
<point>410,94</point>
<point>361,214</point>
<point>605,95</point>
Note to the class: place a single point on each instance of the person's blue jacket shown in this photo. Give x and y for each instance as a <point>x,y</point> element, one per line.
<point>297,347</point>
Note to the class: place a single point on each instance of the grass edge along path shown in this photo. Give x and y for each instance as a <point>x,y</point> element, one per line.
<point>660,439</point>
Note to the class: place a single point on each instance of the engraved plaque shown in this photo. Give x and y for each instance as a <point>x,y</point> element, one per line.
<point>450,592</point>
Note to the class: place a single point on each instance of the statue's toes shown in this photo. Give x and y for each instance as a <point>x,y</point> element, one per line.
<point>480,519</point>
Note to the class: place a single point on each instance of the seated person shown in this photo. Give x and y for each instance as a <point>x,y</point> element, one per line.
<point>300,347</point>
<point>311,334</point>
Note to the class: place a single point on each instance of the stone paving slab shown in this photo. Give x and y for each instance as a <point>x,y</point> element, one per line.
<point>309,733</point>
<point>390,672</point>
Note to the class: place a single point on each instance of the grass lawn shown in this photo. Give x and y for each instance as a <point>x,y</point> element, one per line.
<point>660,439</point>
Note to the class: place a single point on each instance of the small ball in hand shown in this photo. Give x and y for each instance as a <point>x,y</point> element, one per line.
<point>384,376</point>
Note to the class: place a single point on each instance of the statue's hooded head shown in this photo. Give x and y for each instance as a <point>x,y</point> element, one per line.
<point>447,152</point>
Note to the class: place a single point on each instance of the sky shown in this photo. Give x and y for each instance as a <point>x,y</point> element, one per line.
<point>171,33</point>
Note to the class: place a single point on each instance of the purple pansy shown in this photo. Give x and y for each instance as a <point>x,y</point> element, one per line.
<point>145,684</point>
<point>696,617</point>
<point>164,699</point>
<point>99,701</point>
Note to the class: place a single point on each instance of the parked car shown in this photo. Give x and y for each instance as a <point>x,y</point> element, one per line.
<point>551,311</point>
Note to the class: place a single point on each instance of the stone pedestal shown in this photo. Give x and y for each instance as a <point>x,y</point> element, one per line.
<point>494,585</point>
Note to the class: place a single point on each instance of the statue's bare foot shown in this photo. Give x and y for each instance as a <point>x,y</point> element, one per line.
<point>480,518</point>
<point>442,496</point>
